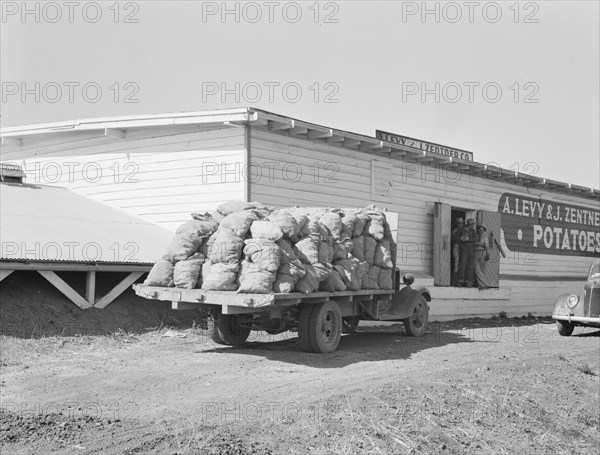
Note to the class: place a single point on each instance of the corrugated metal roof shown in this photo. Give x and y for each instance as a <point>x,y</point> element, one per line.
<point>49,223</point>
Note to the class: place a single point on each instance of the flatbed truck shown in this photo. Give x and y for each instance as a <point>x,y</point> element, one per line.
<point>319,317</point>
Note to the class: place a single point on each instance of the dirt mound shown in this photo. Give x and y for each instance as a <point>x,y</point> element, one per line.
<point>31,307</point>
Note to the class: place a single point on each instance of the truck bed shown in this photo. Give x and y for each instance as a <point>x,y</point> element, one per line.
<point>249,301</point>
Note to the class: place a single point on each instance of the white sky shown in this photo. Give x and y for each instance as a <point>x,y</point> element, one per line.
<point>368,53</point>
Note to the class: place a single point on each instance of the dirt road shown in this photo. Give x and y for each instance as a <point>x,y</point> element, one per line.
<point>481,386</point>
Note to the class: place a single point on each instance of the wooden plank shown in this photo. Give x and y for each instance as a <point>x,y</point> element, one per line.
<point>281,124</point>
<point>285,147</point>
<point>320,134</point>
<point>175,305</point>
<point>200,296</point>
<point>63,287</point>
<point>4,273</point>
<point>233,309</point>
<point>206,139</point>
<point>491,220</point>
<point>114,133</point>
<point>90,287</point>
<point>315,299</point>
<point>439,293</point>
<point>247,161</point>
<point>441,244</point>
<point>120,173</point>
<point>392,219</point>
<point>231,298</point>
<point>118,289</point>
<point>10,142</point>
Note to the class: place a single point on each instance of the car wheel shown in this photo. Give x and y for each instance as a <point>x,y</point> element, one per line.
<point>565,328</point>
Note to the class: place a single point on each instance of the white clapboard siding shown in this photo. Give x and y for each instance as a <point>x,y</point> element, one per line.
<point>415,189</point>
<point>92,141</point>
<point>524,298</point>
<point>160,179</point>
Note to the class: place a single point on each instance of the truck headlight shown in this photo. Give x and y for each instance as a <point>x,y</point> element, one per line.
<point>572,300</point>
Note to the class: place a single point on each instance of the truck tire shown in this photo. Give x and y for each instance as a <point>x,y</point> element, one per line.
<point>565,328</point>
<point>349,325</point>
<point>227,330</point>
<point>303,321</point>
<point>325,327</point>
<point>212,329</point>
<point>416,323</point>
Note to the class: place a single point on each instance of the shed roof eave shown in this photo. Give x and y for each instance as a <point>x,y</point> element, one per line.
<point>73,266</point>
<point>132,121</point>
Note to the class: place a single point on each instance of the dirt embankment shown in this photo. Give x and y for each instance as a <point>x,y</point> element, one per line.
<point>32,308</point>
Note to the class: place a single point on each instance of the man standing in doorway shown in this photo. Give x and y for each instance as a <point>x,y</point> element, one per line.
<point>466,266</point>
<point>455,236</point>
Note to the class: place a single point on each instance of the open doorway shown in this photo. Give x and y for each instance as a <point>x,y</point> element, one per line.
<point>444,222</point>
<point>455,214</point>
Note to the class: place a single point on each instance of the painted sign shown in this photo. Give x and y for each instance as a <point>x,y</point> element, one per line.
<point>423,145</point>
<point>547,227</point>
<point>11,170</point>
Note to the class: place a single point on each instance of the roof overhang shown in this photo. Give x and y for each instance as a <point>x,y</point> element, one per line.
<point>11,134</point>
<point>111,128</point>
<point>66,266</point>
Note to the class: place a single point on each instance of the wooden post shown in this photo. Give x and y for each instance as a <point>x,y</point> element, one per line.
<point>90,287</point>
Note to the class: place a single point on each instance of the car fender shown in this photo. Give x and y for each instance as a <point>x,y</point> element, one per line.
<point>560,305</point>
<point>562,309</point>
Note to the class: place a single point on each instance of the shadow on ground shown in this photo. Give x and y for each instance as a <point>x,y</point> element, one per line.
<point>372,344</point>
<point>595,334</point>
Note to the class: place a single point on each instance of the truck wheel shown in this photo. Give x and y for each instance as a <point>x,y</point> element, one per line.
<point>227,330</point>
<point>214,332</point>
<point>325,327</point>
<point>416,323</point>
<point>565,328</point>
<point>303,321</point>
<point>349,325</point>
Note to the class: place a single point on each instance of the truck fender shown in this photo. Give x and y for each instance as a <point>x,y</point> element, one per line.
<point>424,292</point>
<point>403,302</point>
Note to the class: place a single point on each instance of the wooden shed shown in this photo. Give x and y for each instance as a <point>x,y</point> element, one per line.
<point>161,168</point>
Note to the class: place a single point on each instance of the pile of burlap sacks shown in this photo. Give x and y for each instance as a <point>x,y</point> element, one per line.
<point>251,248</point>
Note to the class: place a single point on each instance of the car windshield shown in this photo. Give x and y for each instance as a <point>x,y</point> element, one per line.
<point>594,271</point>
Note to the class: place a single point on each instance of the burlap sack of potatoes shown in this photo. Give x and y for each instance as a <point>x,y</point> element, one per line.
<point>161,274</point>
<point>186,273</point>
